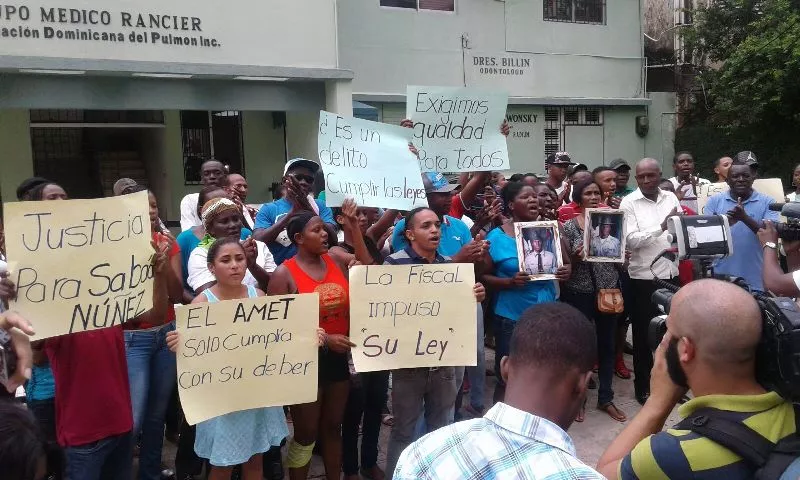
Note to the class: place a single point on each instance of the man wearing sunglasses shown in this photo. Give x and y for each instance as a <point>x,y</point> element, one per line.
<point>271,221</point>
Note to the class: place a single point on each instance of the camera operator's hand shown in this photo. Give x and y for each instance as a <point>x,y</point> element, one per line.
<point>19,329</point>
<point>767,233</point>
<point>664,394</point>
<point>672,213</point>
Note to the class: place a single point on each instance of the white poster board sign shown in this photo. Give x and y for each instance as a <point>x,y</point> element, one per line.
<point>369,162</point>
<point>458,129</point>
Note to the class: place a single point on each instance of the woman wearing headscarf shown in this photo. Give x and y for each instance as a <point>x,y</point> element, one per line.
<point>222,219</point>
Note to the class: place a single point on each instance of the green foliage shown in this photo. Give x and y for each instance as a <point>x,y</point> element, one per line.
<point>748,52</point>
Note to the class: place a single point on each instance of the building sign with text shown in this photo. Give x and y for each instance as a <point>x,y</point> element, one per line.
<point>180,31</point>
<point>510,71</point>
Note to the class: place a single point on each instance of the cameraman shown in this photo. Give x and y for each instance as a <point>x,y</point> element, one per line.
<point>713,331</point>
<point>775,281</point>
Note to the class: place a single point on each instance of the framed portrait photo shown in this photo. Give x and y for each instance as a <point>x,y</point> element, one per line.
<point>604,236</point>
<point>538,249</point>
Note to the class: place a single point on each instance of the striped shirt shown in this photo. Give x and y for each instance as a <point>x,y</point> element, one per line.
<point>679,454</point>
<point>506,443</point>
<point>408,256</point>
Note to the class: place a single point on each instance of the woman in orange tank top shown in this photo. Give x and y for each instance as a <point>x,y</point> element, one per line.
<point>315,269</point>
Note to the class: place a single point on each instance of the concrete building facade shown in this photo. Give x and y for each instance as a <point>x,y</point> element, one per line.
<point>91,91</point>
<point>574,70</point>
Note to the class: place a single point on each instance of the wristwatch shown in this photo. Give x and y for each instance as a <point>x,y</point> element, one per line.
<point>770,245</point>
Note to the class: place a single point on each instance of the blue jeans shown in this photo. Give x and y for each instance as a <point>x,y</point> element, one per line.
<point>151,373</point>
<point>503,328</point>
<point>107,459</point>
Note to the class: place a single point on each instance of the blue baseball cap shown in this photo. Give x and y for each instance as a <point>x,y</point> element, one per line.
<point>437,183</point>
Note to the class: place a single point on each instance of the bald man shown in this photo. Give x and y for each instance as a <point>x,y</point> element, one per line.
<point>713,331</point>
<point>646,211</point>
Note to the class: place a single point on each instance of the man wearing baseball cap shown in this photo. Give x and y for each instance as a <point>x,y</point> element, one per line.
<point>272,218</point>
<point>748,158</point>
<point>623,170</point>
<point>557,165</point>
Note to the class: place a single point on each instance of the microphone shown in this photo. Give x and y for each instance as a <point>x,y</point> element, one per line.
<point>788,209</point>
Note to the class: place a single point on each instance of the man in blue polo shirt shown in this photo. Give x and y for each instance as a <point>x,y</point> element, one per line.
<point>272,218</point>
<point>455,233</point>
<point>746,210</point>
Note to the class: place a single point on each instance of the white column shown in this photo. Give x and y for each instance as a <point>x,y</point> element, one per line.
<point>339,97</point>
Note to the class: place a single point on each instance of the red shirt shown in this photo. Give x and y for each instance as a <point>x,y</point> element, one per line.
<point>174,250</point>
<point>685,267</point>
<point>93,399</point>
<point>334,301</point>
<point>571,210</point>
<point>457,207</point>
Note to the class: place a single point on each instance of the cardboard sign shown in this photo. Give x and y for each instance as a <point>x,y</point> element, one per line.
<point>370,162</point>
<point>458,129</point>
<point>80,264</point>
<point>251,353</point>
<point>405,316</point>
<point>772,187</point>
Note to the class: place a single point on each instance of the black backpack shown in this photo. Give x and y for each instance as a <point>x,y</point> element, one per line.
<point>768,460</point>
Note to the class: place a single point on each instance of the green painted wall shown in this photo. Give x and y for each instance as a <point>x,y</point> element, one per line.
<point>173,166</point>
<point>264,154</point>
<point>16,161</point>
<point>301,135</point>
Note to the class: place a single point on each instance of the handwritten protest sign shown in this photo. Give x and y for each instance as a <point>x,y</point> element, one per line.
<point>772,187</point>
<point>251,353</point>
<point>404,316</point>
<point>370,162</point>
<point>80,264</point>
<point>458,129</point>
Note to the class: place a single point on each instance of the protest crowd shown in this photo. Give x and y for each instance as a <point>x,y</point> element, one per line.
<point>551,288</point>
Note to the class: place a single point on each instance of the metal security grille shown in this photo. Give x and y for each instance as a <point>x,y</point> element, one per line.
<point>207,135</point>
<point>575,11</point>
<point>440,5</point>
<point>552,130</point>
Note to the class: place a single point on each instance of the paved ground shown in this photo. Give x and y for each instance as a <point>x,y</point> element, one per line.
<point>591,437</point>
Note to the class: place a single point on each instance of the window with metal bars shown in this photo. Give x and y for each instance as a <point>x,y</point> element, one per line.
<point>440,5</point>
<point>575,11</point>
<point>206,135</point>
<point>552,130</point>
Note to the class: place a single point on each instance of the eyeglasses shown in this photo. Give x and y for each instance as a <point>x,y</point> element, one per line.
<point>301,177</point>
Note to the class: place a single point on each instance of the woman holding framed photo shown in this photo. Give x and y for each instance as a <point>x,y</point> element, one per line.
<point>593,288</point>
<point>515,292</point>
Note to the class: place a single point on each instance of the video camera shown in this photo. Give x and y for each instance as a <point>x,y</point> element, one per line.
<point>790,230</point>
<point>706,239</point>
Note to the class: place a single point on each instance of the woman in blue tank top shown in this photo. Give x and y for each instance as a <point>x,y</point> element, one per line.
<point>237,438</point>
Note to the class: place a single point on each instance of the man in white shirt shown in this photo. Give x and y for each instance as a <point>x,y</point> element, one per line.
<point>646,212</point>
<point>211,173</point>
<point>686,183</point>
<point>539,261</point>
<point>603,243</point>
